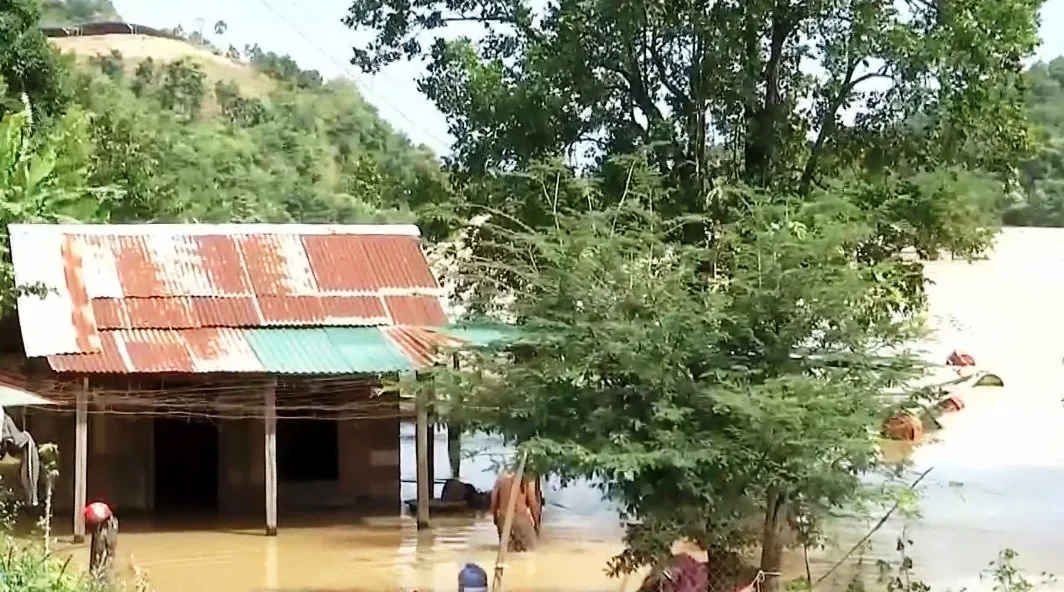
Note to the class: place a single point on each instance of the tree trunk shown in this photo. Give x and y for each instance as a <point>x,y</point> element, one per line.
<point>454,447</point>
<point>772,542</point>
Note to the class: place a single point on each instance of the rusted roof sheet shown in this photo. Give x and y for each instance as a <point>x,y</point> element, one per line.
<point>421,344</point>
<point>131,296</point>
<point>415,310</point>
<point>153,350</point>
<point>314,350</point>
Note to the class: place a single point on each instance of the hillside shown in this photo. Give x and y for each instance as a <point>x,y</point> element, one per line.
<point>1042,177</point>
<point>135,48</point>
<point>178,130</point>
<point>75,12</point>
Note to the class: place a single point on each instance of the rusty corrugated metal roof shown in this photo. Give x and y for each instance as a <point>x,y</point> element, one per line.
<point>309,350</point>
<point>129,298</point>
<point>155,350</point>
<point>420,344</point>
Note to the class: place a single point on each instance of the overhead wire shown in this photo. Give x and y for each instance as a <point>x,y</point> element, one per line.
<point>323,397</point>
<point>346,73</point>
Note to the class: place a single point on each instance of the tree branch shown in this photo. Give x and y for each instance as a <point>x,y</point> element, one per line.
<point>829,122</point>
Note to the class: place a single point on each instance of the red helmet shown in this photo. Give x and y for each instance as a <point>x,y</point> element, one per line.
<point>97,513</point>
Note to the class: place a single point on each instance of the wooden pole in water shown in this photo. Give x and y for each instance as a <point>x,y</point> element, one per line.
<point>422,445</point>
<point>508,524</point>
<point>454,436</point>
<point>81,457</point>
<point>271,457</point>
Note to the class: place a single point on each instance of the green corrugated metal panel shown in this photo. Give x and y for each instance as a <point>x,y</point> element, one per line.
<point>483,335</point>
<point>367,349</point>
<point>297,351</point>
<point>333,350</point>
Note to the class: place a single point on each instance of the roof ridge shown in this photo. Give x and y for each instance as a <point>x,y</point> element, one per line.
<point>227,229</point>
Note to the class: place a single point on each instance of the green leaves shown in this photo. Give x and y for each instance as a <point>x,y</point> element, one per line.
<point>43,178</point>
<point>696,383</point>
<point>296,153</point>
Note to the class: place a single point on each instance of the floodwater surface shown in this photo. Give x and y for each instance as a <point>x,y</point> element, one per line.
<point>338,553</point>
<point>997,479</point>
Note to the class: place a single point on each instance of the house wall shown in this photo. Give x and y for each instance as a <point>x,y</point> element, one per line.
<point>368,469</point>
<point>121,464</point>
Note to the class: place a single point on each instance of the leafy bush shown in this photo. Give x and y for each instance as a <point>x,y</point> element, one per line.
<point>27,567</point>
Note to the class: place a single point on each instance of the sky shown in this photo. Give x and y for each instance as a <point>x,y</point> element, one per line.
<point>311,32</point>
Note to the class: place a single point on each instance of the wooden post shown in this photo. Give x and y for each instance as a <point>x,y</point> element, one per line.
<point>454,438</point>
<point>424,486</point>
<point>81,457</point>
<point>508,524</point>
<point>271,458</point>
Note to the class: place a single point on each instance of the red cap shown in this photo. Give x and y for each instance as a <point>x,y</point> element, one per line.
<point>96,513</point>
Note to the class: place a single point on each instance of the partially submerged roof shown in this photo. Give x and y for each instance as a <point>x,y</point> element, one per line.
<point>227,298</point>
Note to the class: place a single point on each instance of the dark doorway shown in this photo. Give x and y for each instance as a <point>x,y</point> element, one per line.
<point>308,449</point>
<point>186,464</point>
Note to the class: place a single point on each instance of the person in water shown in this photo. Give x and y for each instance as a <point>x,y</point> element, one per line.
<point>103,548</point>
<point>528,510</point>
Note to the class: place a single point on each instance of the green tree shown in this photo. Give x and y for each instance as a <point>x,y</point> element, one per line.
<point>44,178</point>
<point>1041,197</point>
<point>781,95</point>
<point>714,392</point>
<point>181,153</point>
<point>28,63</point>
<point>58,13</point>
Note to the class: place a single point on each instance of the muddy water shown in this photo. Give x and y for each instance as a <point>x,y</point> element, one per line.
<point>997,481</point>
<point>336,552</point>
<point>998,475</point>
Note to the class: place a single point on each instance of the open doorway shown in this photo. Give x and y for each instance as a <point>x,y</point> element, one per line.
<point>186,465</point>
<point>308,448</point>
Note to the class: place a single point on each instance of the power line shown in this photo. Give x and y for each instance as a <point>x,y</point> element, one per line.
<point>345,72</point>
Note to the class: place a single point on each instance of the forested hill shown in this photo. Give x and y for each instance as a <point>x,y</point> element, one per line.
<point>189,132</point>
<point>58,13</point>
<point>1043,176</point>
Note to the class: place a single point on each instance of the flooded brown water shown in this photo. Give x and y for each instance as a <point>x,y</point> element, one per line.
<point>338,552</point>
<point>998,476</point>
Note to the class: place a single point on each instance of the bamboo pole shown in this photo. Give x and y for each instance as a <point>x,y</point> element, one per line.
<point>507,525</point>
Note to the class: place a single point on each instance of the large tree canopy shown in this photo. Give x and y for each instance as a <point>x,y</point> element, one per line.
<point>717,363</point>
<point>723,88</point>
<point>787,95</point>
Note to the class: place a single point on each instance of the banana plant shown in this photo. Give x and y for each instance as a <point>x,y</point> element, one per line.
<point>43,178</point>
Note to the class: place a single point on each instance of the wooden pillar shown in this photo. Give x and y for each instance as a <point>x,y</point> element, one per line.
<point>454,438</point>
<point>424,486</point>
<point>81,457</point>
<point>271,458</point>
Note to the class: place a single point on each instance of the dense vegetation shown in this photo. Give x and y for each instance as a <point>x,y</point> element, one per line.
<point>60,13</point>
<point>177,143</point>
<point>1042,176</point>
<point>707,246</point>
